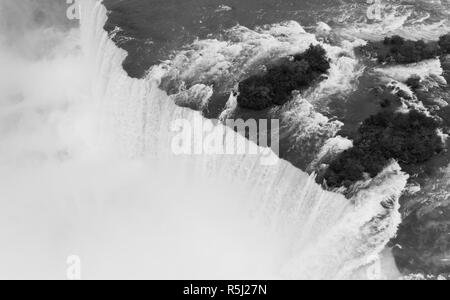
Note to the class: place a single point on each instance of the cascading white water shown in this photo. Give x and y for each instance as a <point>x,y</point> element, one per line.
<point>399,18</point>
<point>426,70</point>
<point>130,208</point>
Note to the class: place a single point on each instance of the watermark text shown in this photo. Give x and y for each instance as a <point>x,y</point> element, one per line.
<point>73,267</point>
<point>200,136</point>
<point>73,11</point>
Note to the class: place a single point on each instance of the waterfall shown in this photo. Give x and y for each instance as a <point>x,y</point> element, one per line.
<point>121,199</point>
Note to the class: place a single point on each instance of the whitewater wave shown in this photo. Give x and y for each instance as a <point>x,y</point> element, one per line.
<point>308,130</point>
<point>402,20</point>
<point>430,94</point>
<point>428,70</point>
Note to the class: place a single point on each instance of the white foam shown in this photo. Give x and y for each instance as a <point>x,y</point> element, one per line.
<point>430,70</point>
<point>398,20</point>
<point>243,51</point>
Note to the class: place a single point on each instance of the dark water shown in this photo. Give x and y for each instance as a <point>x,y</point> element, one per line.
<point>153,30</point>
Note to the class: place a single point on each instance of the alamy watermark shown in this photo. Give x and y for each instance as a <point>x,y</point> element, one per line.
<point>73,267</point>
<point>374,12</point>
<point>202,137</point>
<point>73,11</point>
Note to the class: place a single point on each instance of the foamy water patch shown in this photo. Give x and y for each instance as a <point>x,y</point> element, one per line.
<point>226,61</point>
<point>345,70</point>
<point>427,70</point>
<point>402,20</point>
<point>309,129</point>
<point>242,52</point>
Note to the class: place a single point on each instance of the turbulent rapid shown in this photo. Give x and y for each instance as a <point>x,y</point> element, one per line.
<point>87,166</point>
